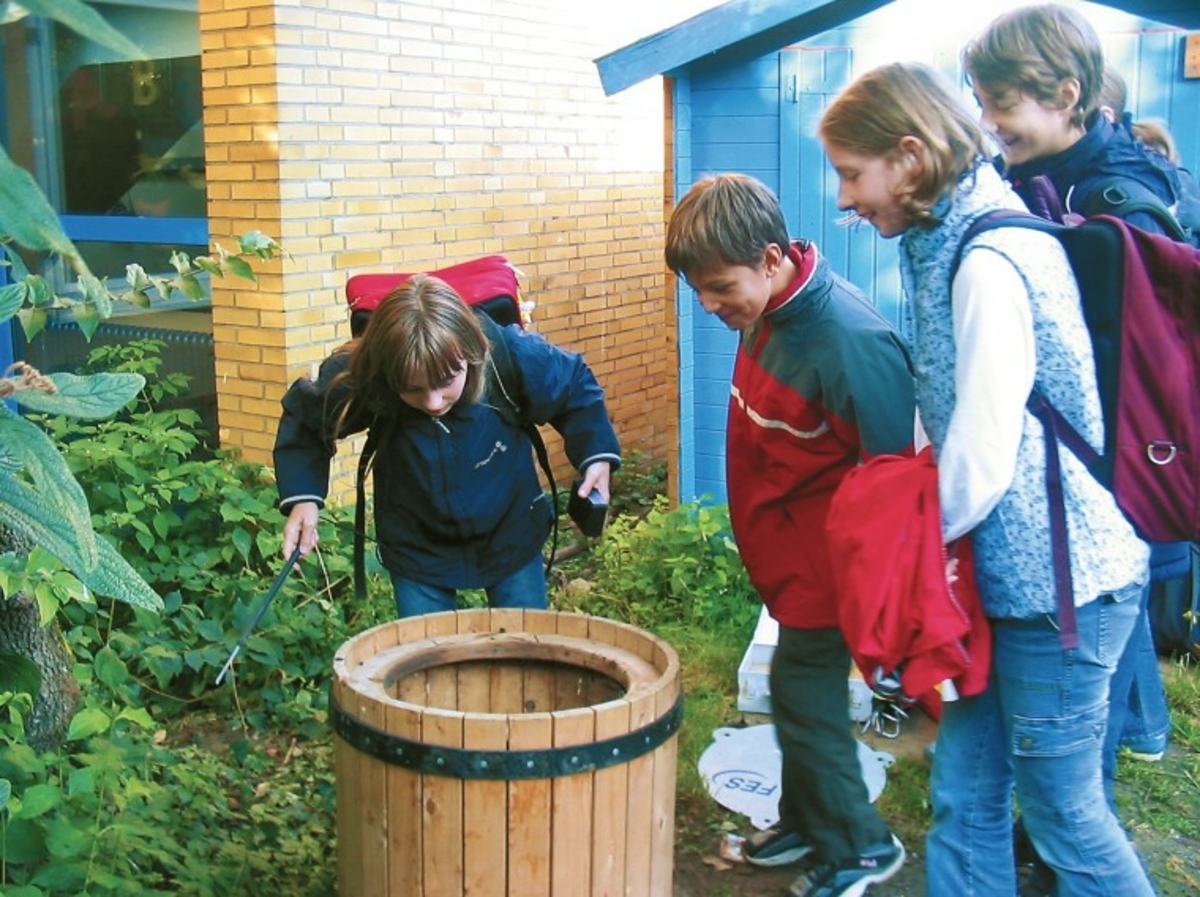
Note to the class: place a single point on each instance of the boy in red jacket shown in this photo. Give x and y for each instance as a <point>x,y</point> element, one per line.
<point>821,382</point>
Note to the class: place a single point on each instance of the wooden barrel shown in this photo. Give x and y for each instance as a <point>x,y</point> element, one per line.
<point>505,752</point>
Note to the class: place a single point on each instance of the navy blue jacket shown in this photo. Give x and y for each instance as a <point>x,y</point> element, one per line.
<point>1105,155</point>
<point>458,501</point>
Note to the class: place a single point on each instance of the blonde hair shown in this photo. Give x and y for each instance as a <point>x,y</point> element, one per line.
<point>422,331</point>
<point>1156,137</point>
<point>908,99</point>
<point>1034,50</point>
<point>728,219</point>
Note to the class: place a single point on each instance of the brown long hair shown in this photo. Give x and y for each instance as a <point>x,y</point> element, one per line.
<point>1034,50</point>
<point>908,99</point>
<point>422,331</point>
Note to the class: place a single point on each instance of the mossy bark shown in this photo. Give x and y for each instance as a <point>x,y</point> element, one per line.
<point>22,632</point>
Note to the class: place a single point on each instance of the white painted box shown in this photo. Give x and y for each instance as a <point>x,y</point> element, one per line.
<point>754,685</point>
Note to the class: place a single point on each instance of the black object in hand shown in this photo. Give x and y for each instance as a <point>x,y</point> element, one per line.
<point>588,513</point>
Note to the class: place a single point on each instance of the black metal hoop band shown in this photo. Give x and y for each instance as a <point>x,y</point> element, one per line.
<point>463,763</point>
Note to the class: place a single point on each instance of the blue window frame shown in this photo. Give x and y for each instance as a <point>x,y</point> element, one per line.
<point>117,145</point>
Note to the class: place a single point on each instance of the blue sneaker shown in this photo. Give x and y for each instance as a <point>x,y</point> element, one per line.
<point>851,878</point>
<point>774,847</point>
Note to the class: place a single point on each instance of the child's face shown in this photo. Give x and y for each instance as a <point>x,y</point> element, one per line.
<point>737,294</point>
<point>437,399</point>
<point>869,185</point>
<point>1024,128</point>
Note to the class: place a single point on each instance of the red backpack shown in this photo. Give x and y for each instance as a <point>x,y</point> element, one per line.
<point>1141,301</point>
<point>488,283</point>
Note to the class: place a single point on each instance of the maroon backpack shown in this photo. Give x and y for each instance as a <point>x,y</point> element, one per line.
<point>1141,302</point>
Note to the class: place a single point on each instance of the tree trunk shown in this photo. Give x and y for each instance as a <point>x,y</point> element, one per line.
<point>22,632</point>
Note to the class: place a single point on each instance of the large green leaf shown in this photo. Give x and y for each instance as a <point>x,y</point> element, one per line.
<point>114,578</point>
<point>54,510</point>
<point>26,215</point>
<point>91,397</point>
<point>86,22</point>
<point>19,673</point>
<point>12,297</point>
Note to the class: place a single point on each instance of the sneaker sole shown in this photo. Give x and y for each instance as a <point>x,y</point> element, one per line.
<point>783,858</point>
<point>860,887</point>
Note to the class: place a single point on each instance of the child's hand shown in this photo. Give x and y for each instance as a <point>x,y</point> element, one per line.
<point>952,571</point>
<point>301,528</point>
<point>596,477</point>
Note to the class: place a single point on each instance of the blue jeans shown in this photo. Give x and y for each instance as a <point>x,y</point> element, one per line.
<point>1039,728</point>
<point>525,588</point>
<point>1138,716</point>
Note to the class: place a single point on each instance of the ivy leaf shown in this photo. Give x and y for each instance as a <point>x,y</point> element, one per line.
<point>39,799</point>
<point>204,263</point>
<point>109,667</point>
<point>33,321</point>
<point>243,542</point>
<point>87,317</point>
<point>191,286</point>
<point>40,294</point>
<point>90,396</point>
<point>86,723</point>
<point>259,244</point>
<point>19,674</point>
<point>240,268</point>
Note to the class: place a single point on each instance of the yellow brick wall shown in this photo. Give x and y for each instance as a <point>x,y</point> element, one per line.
<point>371,136</point>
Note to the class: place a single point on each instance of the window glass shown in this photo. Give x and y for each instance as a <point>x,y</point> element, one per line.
<point>117,145</point>
<point>130,132</point>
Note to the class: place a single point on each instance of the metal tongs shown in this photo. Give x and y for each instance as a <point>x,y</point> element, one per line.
<point>262,609</point>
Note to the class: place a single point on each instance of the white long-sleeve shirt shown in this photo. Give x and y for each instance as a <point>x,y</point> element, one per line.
<point>994,371</point>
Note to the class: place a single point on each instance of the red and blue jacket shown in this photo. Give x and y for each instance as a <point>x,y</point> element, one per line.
<point>821,382</point>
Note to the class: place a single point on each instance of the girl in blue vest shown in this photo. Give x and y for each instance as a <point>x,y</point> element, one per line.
<point>914,164</point>
<point>458,502</point>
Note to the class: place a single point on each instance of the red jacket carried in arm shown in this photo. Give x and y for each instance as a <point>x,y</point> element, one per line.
<point>899,614</point>
<point>820,383</point>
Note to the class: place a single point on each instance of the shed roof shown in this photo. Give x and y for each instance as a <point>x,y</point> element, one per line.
<point>746,29</point>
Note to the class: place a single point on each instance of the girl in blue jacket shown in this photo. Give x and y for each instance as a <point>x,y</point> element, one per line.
<point>458,503</point>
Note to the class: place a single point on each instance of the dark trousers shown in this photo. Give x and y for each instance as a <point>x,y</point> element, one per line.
<point>824,798</point>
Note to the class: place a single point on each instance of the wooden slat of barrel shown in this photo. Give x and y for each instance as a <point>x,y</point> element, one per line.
<point>485,810</point>
<point>571,830</point>
<point>639,813</point>
<point>529,809</point>
<point>349,821</point>
<point>404,823</point>
<point>610,792</point>
<point>442,809</point>
<point>372,782</point>
<point>665,765</point>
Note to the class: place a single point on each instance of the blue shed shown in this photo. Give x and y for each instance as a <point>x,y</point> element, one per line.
<point>748,82</point>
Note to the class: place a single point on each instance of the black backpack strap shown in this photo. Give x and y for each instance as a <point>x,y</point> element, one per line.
<point>360,512</point>
<point>1122,197</point>
<point>506,378</point>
